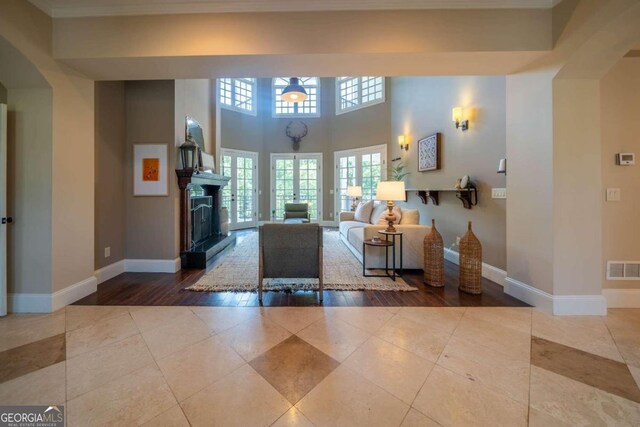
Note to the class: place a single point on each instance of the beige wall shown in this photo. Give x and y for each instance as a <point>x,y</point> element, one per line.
<point>422,106</point>
<point>110,155</point>
<point>620,109</point>
<point>530,178</point>
<point>214,34</point>
<point>3,94</point>
<point>29,190</point>
<point>327,133</point>
<point>577,199</point>
<point>72,210</point>
<point>150,231</point>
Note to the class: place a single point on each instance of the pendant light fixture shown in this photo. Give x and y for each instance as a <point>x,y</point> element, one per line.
<point>294,92</point>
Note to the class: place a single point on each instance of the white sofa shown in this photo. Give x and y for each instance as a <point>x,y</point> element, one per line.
<point>353,233</point>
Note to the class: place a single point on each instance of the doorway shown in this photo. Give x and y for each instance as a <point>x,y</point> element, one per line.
<point>240,196</point>
<point>296,178</point>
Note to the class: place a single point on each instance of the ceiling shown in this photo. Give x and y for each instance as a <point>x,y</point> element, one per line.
<point>84,8</point>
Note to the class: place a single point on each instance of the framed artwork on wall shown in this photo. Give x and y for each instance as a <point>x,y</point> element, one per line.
<point>429,152</point>
<point>150,169</point>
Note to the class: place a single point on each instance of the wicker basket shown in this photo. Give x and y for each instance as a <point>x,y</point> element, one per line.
<point>434,258</point>
<point>470,263</point>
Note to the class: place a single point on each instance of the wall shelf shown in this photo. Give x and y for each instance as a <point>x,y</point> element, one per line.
<point>468,196</point>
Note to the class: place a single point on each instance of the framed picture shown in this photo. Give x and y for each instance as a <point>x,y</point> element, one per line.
<point>207,162</point>
<point>150,169</point>
<point>429,153</point>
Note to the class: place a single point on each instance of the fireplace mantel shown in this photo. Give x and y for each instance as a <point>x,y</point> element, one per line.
<point>196,254</point>
<point>186,177</point>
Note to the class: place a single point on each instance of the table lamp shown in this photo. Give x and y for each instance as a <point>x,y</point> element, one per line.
<point>354,191</point>
<point>390,191</point>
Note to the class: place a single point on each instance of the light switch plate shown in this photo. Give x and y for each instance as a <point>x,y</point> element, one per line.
<point>498,193</point>
<point>613,195</point>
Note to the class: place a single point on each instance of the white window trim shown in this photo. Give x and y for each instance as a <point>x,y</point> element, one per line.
<point>254,103</point>
<point>297,156</point>
<point>273,103</point>
<point>360,106</point>
<point>358,152</point>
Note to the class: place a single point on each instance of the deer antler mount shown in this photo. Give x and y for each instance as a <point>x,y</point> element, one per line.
<point>296,131</point>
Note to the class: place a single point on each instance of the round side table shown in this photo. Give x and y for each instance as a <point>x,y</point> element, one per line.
<point>386,244</point>
<point>393,236</point>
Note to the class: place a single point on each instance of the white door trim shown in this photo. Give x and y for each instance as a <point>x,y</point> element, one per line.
<point>296,179</point>
<point>357,152</point>
<point>3,209</point>
<point>233,225</point>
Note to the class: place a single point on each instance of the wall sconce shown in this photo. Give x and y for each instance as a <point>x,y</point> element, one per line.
<point>457,117</point>
<point>404,145</point>
<point>502,166</point>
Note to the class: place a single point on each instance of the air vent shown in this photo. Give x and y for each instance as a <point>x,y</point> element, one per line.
<point>623,270</point>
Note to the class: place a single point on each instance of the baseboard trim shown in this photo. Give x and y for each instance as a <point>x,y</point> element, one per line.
<point>46,303</point>
<point>488,271</point>
<point>73,293</point>
<point>622,298</point>
<point>542,300</point>
<point>29,303</point>
<point>110,271</point>
<point>152,265</point>
<point>559,305</point>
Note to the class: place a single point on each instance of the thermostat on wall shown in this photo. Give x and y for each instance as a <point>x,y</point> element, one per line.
<point>625,159</point>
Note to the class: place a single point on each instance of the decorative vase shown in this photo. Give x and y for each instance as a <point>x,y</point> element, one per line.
<point>470,263</point>
<point>434,258</point>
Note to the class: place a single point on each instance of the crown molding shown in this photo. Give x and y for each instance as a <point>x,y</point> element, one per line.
<point>96,8</point>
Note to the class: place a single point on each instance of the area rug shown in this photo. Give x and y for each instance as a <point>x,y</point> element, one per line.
<point>238,272</point>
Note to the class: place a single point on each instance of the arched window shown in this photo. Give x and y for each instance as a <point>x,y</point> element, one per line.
<point>307,108</point>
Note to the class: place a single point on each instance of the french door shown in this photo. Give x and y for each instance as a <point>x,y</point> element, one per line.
<point>364,167</point>
<point>240,196</point>
<point>296,178</point>
<point>3,209</point>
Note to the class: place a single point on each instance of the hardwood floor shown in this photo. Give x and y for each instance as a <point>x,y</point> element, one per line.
<point>168,289</point>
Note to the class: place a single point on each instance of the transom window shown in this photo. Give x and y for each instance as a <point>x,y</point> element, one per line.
<point>353,93</point>
<point>307,108</point>
<point>238,94</point>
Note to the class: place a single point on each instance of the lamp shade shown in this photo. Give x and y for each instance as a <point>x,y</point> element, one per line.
<point>456,114</point>
<point>354,191</point>
<point>391,190</point>
<point>294,92</point>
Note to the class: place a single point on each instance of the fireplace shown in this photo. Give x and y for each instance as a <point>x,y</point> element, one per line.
<point>201,232</point>
<point>203,225</point>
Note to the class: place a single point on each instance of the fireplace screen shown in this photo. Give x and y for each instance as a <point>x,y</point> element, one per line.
<point>201,219</point>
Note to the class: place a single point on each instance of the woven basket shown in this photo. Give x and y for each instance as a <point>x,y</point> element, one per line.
<point>434,258</point>
<point>470,263</point>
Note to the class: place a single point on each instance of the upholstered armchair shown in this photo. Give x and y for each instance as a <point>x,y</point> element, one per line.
<point>291,251</point>
<point>296,213</point>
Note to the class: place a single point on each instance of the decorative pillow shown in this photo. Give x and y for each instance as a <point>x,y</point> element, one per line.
<point>410,216</point>
<point>396,212</point>
<point>378,209</point>
<point>363,211</point>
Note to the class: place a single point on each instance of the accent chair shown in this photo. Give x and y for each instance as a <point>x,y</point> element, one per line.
<point>292,251</point>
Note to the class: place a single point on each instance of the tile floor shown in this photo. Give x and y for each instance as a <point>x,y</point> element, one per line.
<point>344,366</point>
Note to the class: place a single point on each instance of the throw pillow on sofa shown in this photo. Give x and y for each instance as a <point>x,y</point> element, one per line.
<point>378,209</point>
<point>396,213</point>
<point>363,211</point>
<point>410,217</point>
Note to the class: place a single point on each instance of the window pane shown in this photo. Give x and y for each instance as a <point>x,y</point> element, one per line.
<point>310,106</point>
